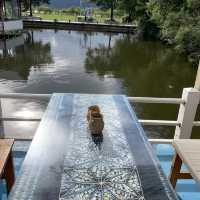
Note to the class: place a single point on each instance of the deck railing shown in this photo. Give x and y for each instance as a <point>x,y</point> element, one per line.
<point>188,106</point>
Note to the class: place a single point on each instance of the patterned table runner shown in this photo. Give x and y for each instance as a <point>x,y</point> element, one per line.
<point>99,168</point>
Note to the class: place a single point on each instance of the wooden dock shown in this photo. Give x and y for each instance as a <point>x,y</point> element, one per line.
<point>78,26</point>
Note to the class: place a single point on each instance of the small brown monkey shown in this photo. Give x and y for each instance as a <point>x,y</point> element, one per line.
<point>95,120</point>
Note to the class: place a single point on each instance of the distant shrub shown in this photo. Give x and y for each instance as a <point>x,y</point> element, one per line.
<point>45,9</point>
<point>72,11</point>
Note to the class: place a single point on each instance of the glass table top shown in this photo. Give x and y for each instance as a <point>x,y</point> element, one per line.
<point>66,162</point>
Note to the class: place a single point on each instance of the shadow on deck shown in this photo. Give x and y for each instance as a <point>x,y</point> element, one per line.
<point>187,189</point>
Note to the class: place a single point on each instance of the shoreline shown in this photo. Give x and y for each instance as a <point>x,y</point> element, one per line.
<point>79,26</point>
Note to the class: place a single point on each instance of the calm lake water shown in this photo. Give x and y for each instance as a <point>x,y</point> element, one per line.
<point>47,61</point>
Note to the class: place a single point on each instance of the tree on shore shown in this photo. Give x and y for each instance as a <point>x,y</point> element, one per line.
<point>28,4</point>
<point>108,4</point>
<point>132,8</point>
<point>179,23</point>
<point>176,22</point>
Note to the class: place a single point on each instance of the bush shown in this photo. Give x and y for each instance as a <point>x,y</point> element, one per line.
<point>72,11</point>
<point>179,22</point>
<point>188,40</point>
<point>45,9</point>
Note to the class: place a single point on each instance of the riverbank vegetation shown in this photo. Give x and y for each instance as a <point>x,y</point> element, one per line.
<point>179,24</point>
<point>76,14</point>
<point>175,22</point>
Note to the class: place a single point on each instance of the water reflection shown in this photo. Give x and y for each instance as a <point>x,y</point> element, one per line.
<point>147,68</point>
<point>20,55</point>
<point>48,61</point>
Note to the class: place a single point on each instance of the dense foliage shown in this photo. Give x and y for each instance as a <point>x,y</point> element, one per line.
<point>175,21</point>
<point>134,9</point>
<point>109,4</point>
<point>179,22</point>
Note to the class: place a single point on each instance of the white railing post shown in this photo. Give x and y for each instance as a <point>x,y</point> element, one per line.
<point>187,113</point>
<point>1,121</point>
<point>197,81</point>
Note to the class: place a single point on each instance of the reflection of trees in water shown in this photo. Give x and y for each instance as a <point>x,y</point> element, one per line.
<point>146,68</point>
<point>31,53</point>
<point>86,38</point>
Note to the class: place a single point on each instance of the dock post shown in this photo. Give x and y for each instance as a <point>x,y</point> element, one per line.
<point>187,111</point>
<point>1,122</point>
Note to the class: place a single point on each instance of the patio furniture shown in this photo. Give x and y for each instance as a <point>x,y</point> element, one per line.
<point>187,151</point>
<point>65,161</point>
<point>6,164</point>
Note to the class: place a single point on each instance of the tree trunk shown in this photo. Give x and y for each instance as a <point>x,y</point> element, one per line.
<point>130,16</point>
<point>2,17</point>
<point>15,6</point>
<point>20,8</point>
<point>4,5</point>
<point>112,11</point>
<point>1,9</point>
<point>31,13</point>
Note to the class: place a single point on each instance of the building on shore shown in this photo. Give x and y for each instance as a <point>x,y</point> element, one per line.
<point>10,17</point>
